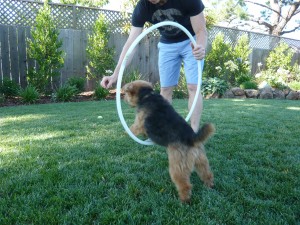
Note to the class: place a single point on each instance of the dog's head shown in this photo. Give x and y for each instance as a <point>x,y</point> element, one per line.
<point>132,90</point>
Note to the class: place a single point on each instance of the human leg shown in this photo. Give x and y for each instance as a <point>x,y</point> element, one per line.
<point>191,73</point>
<point>169,62</point>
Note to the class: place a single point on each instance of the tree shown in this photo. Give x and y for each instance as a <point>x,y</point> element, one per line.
<point>100,55</point>
<point>277,14</point>
<point>274,17</point>
<point>45,48</point>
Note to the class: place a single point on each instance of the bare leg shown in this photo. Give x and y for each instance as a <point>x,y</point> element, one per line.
<point>196,115</point>
<point>167,93</point>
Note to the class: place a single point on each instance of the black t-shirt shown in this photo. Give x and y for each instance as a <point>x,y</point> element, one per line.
<point>178,11</point>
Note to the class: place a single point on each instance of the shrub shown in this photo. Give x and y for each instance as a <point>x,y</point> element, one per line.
<point>181,91</point>
<point>65,93</point>
<point>100,55</point>
<point>227,62</point>
<point>280,58</point>
<point>77,82</point>
<point>45,48</point>
<point>9,88</point>
<point>248,85</point>
<point>295,85</point>
<point>214,85</point>
<point>29,94</point>
<point>2,98</point>
<point>100,93</point>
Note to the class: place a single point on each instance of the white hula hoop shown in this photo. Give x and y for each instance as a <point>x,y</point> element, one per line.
<point>122,68</point>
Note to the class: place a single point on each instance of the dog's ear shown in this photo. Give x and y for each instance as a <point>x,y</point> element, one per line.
<point>130,89</point>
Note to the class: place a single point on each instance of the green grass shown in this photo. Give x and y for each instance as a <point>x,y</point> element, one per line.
<point>73,163</point>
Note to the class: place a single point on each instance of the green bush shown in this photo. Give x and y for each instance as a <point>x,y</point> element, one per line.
<point>214,86</point>
<point>45,48</point>
<point>29,94</point>
<point>100,93</point>
<point>227,62</point>
<point>2,98</point>
<point>249,85</point>
<point>77,82</point>
<point>295,85</point>
<point>280,58</point>
<point>65,93</point>
<point>100,56</point>
<point>9,88</point>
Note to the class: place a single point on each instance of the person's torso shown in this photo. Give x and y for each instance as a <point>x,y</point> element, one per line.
<point>178,11</point>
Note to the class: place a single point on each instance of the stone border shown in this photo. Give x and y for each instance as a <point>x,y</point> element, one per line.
<point>263,93</point>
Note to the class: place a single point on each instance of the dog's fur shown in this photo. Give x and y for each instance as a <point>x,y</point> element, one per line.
<point>157,119</point>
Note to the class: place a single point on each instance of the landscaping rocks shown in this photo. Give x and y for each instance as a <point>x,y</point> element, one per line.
<point>265,91</point>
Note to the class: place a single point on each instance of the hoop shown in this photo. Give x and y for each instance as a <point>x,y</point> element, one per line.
<point>122,68</point>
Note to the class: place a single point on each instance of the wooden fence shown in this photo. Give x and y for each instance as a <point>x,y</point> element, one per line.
<point>14,61</point>
<point>75,22</point>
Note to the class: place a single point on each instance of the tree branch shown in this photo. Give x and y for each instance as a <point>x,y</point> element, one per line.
<point>264,6</point>
<point>290,31</point>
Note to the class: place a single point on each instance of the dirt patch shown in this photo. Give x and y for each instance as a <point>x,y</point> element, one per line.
<point>82,97</point>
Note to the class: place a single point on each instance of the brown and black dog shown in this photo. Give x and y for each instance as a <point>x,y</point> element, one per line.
<point>156,118</point>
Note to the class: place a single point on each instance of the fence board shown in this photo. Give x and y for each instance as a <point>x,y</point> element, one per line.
<point>22,55</point>
<point>31,63</point>
<point>5,51</point>
<point>77,53</point>
<point>14,54</point>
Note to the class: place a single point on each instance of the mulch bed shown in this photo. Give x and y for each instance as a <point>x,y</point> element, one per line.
<point>84,96</point>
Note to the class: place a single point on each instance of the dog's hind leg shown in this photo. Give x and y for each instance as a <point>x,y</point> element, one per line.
<point>203,169</point>
<point>180,172</point>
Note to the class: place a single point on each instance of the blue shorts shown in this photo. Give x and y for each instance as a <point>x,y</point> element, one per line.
<point>170,58</point>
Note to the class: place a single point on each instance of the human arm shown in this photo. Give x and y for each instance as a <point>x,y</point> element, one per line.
<point>108,81</point>
<point>199,27</point>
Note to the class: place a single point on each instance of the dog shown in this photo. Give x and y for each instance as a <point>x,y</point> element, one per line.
<point>157,119</point>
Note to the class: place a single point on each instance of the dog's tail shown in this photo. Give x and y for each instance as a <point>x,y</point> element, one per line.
<point>204,133</point>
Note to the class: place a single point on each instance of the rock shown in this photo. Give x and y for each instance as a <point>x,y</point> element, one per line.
<point>266,93</point>
<point>278,94</point>
<point>263,85</point>
<point>293,95</point>
<point>251,93</point>
<point>228,94</point>
<point>238,91</point>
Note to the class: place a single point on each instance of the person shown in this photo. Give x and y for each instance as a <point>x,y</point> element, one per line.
<point>174,46</point>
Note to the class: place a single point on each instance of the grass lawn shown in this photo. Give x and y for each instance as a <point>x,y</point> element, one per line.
<point>73,163</point>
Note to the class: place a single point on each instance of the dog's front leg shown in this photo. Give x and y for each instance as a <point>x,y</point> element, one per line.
<point>138,126</point>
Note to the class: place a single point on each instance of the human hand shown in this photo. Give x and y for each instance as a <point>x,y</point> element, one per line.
<point>198,51</point>
<point>108,81</point>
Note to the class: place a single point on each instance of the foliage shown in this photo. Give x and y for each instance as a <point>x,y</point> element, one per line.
<point>100,93</point>
<point>65,93</point>
<point>295,85</point>
<point>9,88</point>
<point>89,3</point>
<point>227,62</point>
<point>2,98</point>
<point>45,48</point>
<point>77,82</point>
<point>29,94</point>
<point>100,56</point>
<point>276,17</point>
<point>181,91</point>
<point>132,76</point>
<point>214,86</point>
<point>280,71</point>
<point>248,85</point>
<point>280,58</point>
